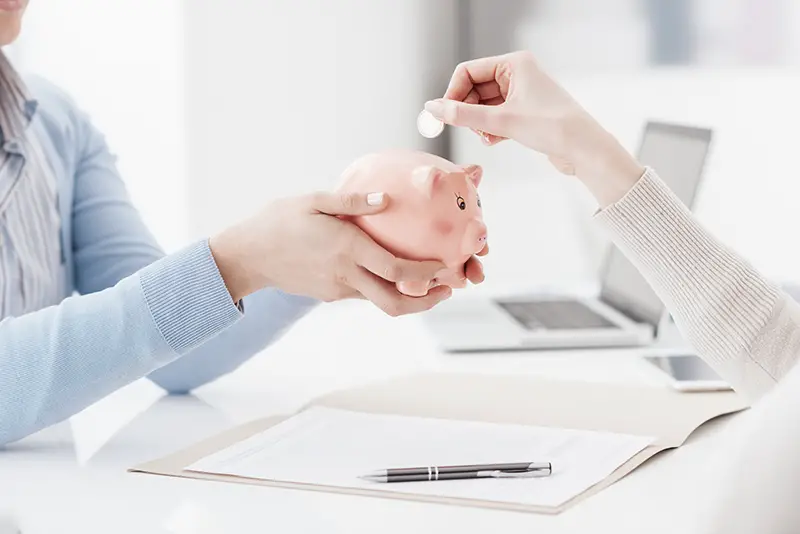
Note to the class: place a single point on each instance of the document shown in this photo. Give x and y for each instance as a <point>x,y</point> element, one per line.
<point>333,447</point>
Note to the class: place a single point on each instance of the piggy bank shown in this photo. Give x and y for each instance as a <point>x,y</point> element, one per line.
<point>434,211</point>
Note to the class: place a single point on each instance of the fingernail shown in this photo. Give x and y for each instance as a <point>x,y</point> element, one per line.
<point>375,199</point>
<point>435,108</point>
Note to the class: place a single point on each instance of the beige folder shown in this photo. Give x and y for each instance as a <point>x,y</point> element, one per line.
<point>663,413</point>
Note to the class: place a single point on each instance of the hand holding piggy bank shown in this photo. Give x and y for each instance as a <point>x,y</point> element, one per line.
<point>434,211</point>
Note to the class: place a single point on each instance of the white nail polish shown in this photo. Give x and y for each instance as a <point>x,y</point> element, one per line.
<point>375,199</point>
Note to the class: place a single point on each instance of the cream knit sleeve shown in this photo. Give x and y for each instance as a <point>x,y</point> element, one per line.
<point>737,321</point>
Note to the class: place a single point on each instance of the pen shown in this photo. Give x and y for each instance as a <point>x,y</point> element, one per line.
<point>455,472</point>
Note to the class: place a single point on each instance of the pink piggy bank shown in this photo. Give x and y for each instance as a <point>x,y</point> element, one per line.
<point>434,210</point>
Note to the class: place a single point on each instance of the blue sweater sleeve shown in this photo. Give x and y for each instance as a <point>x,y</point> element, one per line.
<point>110,242</point>
<point>59,360</point>
<point>267,315</point>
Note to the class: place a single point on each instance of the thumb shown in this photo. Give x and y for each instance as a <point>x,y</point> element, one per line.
<point>348,203</point>
<point>481,117</point>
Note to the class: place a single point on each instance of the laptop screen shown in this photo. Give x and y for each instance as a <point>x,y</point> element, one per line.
<point>678,155</point>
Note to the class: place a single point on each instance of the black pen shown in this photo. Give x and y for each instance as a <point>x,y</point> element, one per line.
<point>456,472</point>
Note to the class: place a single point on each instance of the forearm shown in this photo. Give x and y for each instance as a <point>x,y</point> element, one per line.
<point>739,322</point>
<point>267,315</point>
<point>58,361</point>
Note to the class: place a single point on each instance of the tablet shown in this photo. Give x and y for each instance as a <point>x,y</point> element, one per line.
<point>688,372</point>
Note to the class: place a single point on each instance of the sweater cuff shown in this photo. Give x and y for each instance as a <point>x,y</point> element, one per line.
<point>188,298</point>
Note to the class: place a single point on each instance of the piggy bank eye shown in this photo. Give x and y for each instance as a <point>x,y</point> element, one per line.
<point>479,202</point>
<point>462,205</point>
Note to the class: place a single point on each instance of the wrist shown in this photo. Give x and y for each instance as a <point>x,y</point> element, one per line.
<point>231,253</point>
<point>601,162</point>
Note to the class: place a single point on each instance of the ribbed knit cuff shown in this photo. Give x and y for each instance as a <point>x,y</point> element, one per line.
<point>721,300</point>
<point>188,298</point>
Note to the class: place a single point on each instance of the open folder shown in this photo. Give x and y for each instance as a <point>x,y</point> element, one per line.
<point>658,418</point>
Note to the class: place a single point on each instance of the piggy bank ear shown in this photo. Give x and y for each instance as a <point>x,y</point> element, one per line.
<point>426,179</point>
<point>474,173</point>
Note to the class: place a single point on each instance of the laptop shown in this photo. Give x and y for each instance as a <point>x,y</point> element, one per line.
<point>627,312</point>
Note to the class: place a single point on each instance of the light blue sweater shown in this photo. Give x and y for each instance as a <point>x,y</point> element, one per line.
<point>128,311</point>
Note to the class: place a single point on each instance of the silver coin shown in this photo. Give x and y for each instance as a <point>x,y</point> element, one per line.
<point>428,125</point>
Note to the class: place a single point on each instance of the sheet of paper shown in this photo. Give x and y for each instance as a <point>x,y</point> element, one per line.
<point>333,447</point>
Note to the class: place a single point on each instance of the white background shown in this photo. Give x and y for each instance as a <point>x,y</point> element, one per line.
<point>218,108</point>
<point>122,61</point>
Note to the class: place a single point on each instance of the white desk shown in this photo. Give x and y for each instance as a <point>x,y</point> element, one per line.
<point>72,478</point>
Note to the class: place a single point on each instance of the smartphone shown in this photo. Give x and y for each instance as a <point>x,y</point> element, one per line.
<point>688,372</point>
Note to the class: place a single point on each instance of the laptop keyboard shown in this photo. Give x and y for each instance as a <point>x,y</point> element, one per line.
<point>555,315</point>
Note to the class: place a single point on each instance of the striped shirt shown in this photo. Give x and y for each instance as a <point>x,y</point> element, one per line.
<point>30,252</point>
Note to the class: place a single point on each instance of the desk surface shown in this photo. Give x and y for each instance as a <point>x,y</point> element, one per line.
<point>72,477</point>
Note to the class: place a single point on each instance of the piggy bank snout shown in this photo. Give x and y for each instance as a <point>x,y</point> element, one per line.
<point>475,237</point>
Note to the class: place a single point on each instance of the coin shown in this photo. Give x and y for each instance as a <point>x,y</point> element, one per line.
<point>428,125</point>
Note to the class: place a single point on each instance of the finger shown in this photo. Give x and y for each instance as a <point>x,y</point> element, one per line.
<point>489,139</point>
<point>473,97</point>
<point>488,90</point>
<point>474,270</point>
<point>484,93</point>
<point>379,261</point>
<point>378,291</point>
<point>494,139</point>
<point>490,119</point>
<point>385,295</point>
<point>472,73</point>
<point>348,203</point>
